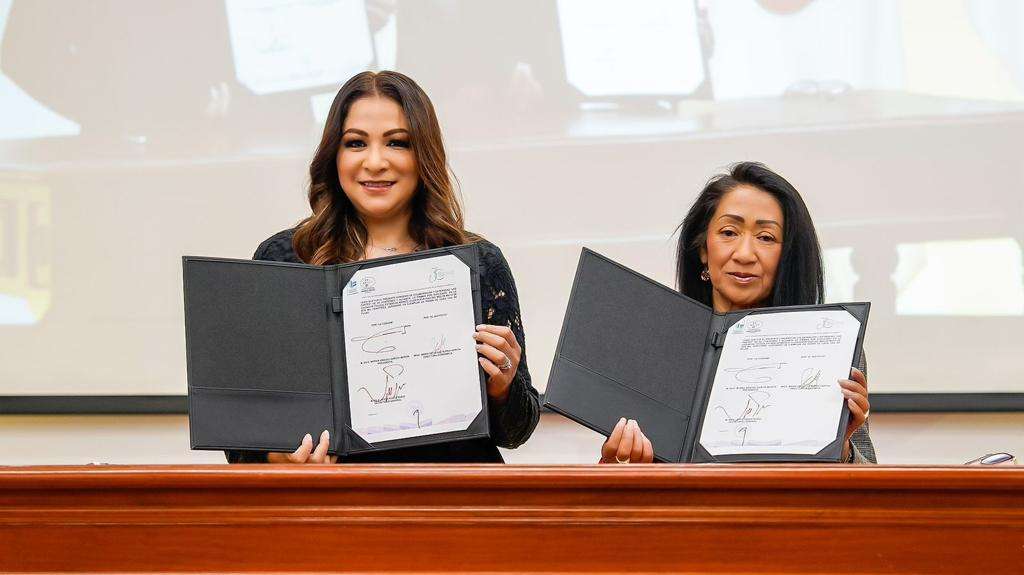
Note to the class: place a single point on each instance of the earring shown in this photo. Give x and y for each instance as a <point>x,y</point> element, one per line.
<point>705,275</point>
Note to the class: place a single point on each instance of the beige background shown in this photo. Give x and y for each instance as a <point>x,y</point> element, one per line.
<point>899,122</point>
<point>911,439</point>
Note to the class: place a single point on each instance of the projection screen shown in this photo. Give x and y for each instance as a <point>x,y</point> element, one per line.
<point>132,133</point>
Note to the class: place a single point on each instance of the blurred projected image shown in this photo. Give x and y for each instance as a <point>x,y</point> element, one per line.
<point>765,48</point>
<point>127,73</point>
<point>722,65</point>
<point>840,275</point>
<point>493,69</point>
<point>24,252</point>
<point>645,48</point>
<point>960,278</point>
<point>169,79</point>
<point>832,49</point>
<point>281,45</point>
<point>1000,25</point>
<point>135,131</point>
<point>23,116</point>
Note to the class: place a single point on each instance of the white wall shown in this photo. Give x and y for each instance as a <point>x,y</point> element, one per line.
<point>912,439</point>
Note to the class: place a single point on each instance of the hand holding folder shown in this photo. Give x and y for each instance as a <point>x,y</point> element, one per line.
<point>380,353</point>
<point>750,385</point>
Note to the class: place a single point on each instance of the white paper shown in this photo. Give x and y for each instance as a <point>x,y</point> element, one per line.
<point>614,48</point>
<point>410,354</point>
<point>776,389</point>
<point>282,45</point>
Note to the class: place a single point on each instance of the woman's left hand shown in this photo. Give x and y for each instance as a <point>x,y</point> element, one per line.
<point>855,390</point>
<point>500,353</point>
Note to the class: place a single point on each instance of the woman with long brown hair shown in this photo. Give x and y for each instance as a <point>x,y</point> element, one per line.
<point>380,186</point>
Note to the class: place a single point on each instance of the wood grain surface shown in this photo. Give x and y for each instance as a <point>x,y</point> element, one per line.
<point>494,518</point>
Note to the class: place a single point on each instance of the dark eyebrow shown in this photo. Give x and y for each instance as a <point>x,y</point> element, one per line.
<point>739,219</point>
<point>365,135</point>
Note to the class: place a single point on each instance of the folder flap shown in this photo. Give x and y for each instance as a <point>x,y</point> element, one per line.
<point>345,274</point>
<point>255,340</point>
<point>633,330</point>
<point>831,453</point>
<point>598,403</point>
<point>629,347</point>
<point>256,420</point>
<point>353,441</point>
<point>480,422</point>
<point>255,325</point>
<point>476,430</point>
<point>858,310</point>
<point>469,256</point>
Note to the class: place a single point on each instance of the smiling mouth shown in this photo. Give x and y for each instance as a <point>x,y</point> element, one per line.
<point>377,185</point>
<point>743,277</point>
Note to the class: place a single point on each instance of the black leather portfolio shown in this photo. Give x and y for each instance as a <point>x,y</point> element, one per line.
<point>632,347</point>
<point>266,352</point>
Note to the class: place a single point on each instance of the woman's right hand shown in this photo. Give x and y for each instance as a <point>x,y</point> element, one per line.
<point>627,444</point>
<point>305,453</point>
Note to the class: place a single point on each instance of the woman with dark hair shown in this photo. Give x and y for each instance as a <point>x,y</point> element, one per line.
<point>749,242</point>
<point>380,186</point>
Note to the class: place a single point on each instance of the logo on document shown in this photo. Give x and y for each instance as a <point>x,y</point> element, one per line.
<point>747,326</point>
<point>360,284</point>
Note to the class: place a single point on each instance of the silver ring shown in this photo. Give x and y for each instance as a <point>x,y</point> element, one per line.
<point>507,365</point>
<point>617,460</point>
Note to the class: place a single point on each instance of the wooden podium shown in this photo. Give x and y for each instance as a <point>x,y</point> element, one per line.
<point>479,518</point>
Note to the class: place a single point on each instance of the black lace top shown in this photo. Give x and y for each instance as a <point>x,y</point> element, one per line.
<point>511,423</point>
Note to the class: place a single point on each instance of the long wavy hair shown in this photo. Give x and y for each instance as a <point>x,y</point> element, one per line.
<point>335,233</point>
<point>800,279</point>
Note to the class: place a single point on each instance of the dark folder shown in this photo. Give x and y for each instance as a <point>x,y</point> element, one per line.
<point>632,347</point>
<point>266,354</point>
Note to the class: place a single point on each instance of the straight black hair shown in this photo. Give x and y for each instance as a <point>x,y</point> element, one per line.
<point>799,280</point>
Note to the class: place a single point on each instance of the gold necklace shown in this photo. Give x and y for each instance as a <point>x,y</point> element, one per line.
<point>390,250</point>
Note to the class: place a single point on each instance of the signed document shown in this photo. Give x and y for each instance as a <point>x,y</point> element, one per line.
<point>705,386</point>
<point>776,387</point>
<point>379,352</point>
<point>409,349</point>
